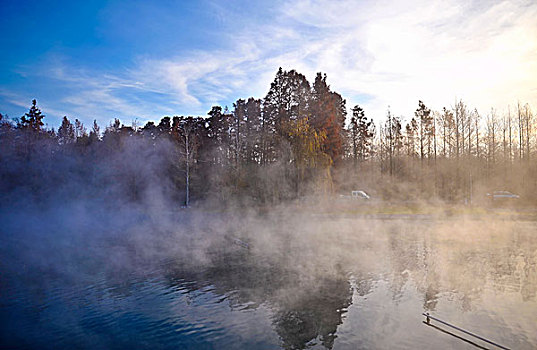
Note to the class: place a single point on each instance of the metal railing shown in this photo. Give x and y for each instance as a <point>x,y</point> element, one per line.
<point>429,318</point>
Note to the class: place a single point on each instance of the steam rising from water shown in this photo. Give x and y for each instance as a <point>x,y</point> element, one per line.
<point>311,271</point>
<point>341,281</point>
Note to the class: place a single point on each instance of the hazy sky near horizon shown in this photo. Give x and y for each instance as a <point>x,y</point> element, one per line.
<point>146,59</point>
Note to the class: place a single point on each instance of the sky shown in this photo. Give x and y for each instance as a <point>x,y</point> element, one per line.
<point>141,60</point>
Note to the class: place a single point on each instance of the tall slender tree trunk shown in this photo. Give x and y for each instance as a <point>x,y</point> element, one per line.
<point>477,138</point>
<point>435,169</point>
<point>527,116</point>
<point>421,143</point>
<point>457,130</point>
<point>520,134</point>
<point>444,138</point>
<point>187,170</point>
<point>510,138</point>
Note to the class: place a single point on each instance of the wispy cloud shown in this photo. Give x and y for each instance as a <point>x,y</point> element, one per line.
<point>400,52</point>
<point>376,53</point>
<point>391,52</point>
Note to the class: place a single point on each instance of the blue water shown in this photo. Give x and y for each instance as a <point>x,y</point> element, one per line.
<point>371,297</point>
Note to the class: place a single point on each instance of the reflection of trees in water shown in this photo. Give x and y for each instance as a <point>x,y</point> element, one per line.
<point>313,312</point>
<point>305,309</point>
<point>504,269</point>
<point>465,261</point>
<point>505,265</point>
<point>240,277</point>
<point>309,293</point>
<point>409,255</point>
<point>363,285</point>
<point>514,267</point>
<point>528,276</point>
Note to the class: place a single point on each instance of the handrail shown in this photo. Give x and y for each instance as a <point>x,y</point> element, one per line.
<point>426,314</point>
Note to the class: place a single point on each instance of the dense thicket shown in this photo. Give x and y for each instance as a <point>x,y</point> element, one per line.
<point>292,143</point>
<point>457,155</point>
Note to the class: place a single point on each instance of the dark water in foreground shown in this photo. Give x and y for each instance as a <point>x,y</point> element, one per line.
<point>337,284</point>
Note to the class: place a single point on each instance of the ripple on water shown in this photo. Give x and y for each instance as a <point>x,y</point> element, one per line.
<point>253,307</point>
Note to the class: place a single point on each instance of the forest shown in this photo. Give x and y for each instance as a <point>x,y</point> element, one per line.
<point>298,141</point>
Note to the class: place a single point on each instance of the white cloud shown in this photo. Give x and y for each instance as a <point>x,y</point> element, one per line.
<point>376,53</point>
<point>400,52</point>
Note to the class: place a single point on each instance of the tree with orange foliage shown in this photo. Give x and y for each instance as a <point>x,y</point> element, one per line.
<point>328,116</point>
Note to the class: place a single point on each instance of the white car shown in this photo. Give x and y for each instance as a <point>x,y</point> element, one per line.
<point>502,196</point>
<point>360,195</point>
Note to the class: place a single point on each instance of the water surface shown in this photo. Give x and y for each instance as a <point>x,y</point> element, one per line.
<point>336,283</point>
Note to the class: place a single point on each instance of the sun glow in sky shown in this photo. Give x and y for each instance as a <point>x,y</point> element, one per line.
<point>146,59</point>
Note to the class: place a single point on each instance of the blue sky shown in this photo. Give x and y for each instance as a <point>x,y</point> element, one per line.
<point>146,59</point>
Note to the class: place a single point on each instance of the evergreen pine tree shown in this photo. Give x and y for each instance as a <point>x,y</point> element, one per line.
<point>66,132</point>
<point>33,120</point>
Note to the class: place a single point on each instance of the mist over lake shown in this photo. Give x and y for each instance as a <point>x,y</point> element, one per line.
<point>307,174</point>
<point>290,280</point>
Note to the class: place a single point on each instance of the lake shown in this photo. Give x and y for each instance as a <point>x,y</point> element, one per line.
<point>265,282</point>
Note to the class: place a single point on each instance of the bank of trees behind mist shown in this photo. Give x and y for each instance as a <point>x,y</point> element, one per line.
<point>297,141</point>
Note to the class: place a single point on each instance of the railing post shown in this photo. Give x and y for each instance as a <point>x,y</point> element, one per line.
<point>428,317</point>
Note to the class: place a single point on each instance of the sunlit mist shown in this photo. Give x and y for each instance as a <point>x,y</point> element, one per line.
<point>268,175</point>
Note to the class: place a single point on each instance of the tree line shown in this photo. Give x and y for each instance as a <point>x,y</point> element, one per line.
<point>296,141</point>
<point>457,153</point>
